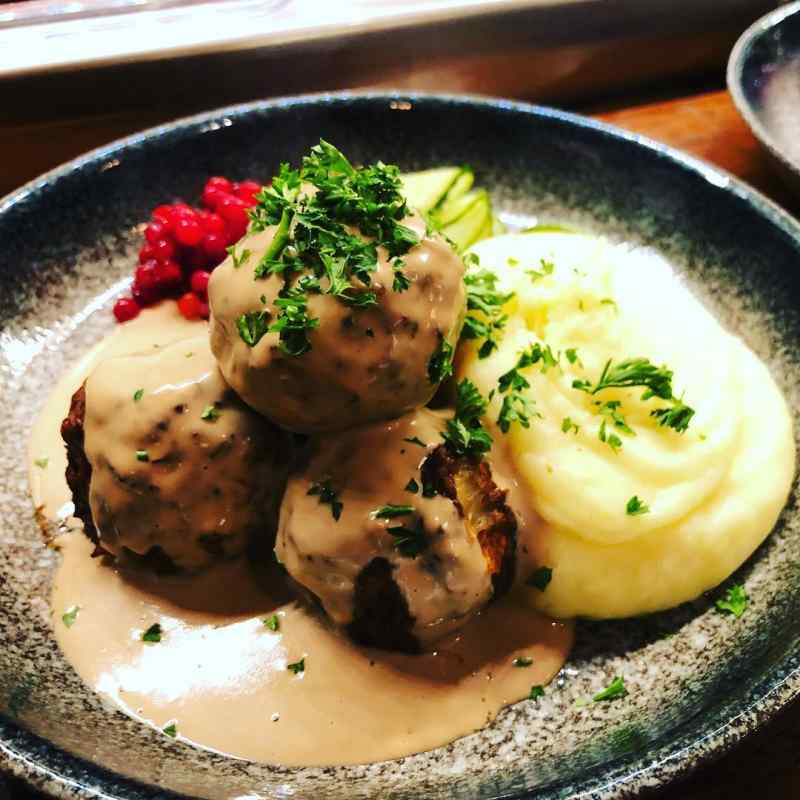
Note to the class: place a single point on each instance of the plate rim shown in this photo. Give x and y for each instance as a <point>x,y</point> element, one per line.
<point>667,761</point>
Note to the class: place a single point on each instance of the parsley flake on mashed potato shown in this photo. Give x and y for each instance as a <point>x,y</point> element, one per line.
<point>714,490</point>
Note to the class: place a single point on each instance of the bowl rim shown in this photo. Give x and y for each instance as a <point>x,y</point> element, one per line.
<point>680,751</point>
<point>735,82</point>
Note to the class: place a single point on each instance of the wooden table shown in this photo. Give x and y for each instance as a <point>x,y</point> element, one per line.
<point>767,765</point>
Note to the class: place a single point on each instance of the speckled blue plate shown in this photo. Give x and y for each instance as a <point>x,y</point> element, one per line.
<point>764,81</point>
<point>698,681</point>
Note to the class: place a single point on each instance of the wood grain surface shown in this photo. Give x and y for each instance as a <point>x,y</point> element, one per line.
<point>767,765</point>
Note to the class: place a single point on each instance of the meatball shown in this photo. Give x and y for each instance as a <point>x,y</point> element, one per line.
<point>364,363</point>
<point>166,464</point>
<point>399,540</point>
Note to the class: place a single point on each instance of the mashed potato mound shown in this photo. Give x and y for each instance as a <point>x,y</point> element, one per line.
<point>714,492</point>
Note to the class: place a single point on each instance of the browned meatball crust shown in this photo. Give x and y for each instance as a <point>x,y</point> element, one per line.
<point>399,540</point>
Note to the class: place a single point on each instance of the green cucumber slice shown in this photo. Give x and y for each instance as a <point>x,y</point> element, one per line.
<point>424,190</point>
<point>468,227</point>
<point>453,210</point>
<point>453,204</point>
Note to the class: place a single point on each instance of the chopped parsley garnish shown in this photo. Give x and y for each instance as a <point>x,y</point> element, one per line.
<point>273,623</point>
<point>409,542</point>
<point>547,268</point>
<point>611,410</point>
<point>522,661</point>
<point>298,666</point>
<point>611,439</point>
<point>293,323</point>
<point>635,507</point>
<point>572,356</point>
<point>415,440</point>
<point>677,417</point>
<point>440,364</point>
<point>633,372</point>
<point>611,413</point>
<point>734,602</point>
<point>41,462</point>
<point>315,235</point>
<point>540,578</point>
<point>656,381</point>
<point>401,281</point>
<point>327,496</point>
<point>536,692</point>
<point>210,413</point>
<point>614,690</point>
<point>280,239</point>
<point>137,395</point>
<point>390,511</point>
<point>152,634</point>
<point>412,486</point>
<point>171,730</point>
<point>516,406</point>
<point>142,455</point>
<point>252,326</point>
<point>483,297</point>
<point>464,433</point>
<point>238,258</point>
<point>70,615</point>
<point>568,425</point>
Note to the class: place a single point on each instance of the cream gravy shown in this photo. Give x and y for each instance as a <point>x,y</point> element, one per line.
<point>221,676</point>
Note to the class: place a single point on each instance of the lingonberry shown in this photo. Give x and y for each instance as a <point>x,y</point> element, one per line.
<point>163,250</point>
<point>145,296</point>
<point>154,232</point>
<point>183,244</point>
<point>168,276</point>
<point>125,309</point>
<point>247,190</point>
<point>234,212</point>
<point>146,253</point>
<point>145,275</point>
<point>211,222</point>
<point>188,230</point>
<point>215,247</point>
<point>199,283</point>
<point>189,305</point>
<point>163,216</point>
<point>218,182</point>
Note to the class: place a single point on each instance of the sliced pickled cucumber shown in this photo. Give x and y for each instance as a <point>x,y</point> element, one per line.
<point>456,201</point>
<point>454,209</point>
<point>424,190</point>
<point>487,230</point>
<point>471,224</point>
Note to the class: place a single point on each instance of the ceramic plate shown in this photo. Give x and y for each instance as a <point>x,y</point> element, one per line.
<point>764,81</point>
<point>698,681</point>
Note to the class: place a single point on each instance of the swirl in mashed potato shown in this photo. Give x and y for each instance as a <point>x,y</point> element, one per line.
<point>711,493</point>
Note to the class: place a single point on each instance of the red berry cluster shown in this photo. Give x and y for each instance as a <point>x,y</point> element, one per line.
<point>182,246</point>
